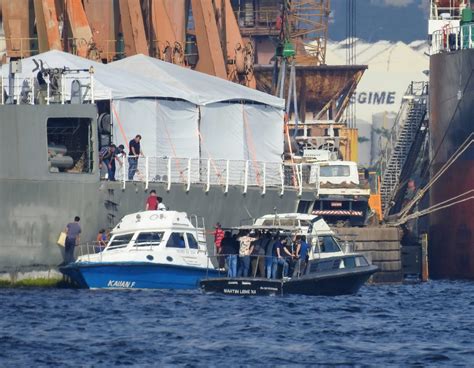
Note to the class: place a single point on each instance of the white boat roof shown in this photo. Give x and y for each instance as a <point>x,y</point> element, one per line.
<point>293,215</point>
<point>319,225</point>
<point>152,220</point>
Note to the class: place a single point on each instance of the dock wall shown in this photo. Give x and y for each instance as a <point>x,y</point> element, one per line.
<point>381,246</point>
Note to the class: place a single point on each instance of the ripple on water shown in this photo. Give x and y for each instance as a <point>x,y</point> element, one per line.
<point>419,325</point>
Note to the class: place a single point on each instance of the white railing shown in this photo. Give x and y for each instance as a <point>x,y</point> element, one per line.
<point>451,39</point>
<point>27,91</point>
<point>223,173</point>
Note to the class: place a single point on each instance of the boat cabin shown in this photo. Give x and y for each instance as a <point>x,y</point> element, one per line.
<point>168,237</point>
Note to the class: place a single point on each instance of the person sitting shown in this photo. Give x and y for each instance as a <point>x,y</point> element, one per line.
<point>280,258</point>
<point>230,252</point>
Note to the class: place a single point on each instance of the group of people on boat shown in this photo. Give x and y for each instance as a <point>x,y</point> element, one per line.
<point>261,253</point>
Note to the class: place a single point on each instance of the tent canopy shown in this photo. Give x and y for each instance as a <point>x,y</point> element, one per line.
<point>108,82</point>
<point>155,78</point>
<point>209,89</point>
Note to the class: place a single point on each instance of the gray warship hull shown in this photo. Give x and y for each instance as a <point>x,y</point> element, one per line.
<point>35,204</point>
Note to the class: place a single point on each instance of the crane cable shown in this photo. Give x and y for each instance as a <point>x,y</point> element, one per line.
<point>403,213</point>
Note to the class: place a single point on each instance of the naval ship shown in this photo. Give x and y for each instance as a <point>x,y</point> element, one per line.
<point>50,140</point>
<point>451,114</point>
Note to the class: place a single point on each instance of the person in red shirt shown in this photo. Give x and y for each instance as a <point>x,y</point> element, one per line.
<point>218,236</point>
<point>152,201</point>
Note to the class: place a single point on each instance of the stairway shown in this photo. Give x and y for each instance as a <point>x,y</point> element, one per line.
<point>407,124</point>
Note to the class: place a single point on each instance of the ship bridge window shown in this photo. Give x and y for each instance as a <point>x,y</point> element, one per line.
<point>70,145</point>
<point>120,241</point>
<point>176,240</point>
<point>334,171</point>
<point>192,243</point>
<point>149,238</point>
<point>327,244</point>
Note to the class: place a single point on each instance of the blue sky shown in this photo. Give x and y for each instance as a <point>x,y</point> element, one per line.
<point>394,20</point>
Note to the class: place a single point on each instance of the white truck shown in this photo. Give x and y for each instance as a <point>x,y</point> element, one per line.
<point>341,200</point>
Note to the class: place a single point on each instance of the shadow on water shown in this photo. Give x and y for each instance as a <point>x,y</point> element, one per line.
<point>420,324</point>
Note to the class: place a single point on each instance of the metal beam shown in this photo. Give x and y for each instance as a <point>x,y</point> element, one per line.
<point>16,24</point>
<point>81,31</point>
<point>47,25</point>
<point>211,58</point>
<point>101,17</point>
<point>133,27</point>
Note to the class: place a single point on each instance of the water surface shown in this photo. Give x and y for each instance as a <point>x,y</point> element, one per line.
<point>405,325</point>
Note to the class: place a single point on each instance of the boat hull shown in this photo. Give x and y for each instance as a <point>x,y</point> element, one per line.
<point>451,229</point>
<point>330,283</point>
<point>131,275</point>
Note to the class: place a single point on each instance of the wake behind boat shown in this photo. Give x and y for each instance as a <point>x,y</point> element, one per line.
<point>147,250</point>
<point>325,270</point>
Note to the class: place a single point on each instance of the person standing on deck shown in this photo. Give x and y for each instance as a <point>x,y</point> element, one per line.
<point>107,157</point>
<point>218,236</point>
<point>161,205</point>
<point>152,201</point>
<point>133,154</point>
<point>245,250</point>
<point>73,230</point>
<point>229,251</point>
<point>302,255</point>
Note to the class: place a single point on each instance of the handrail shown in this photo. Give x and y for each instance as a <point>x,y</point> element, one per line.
<point>238,173</point>
<point>450,39</point>
<point>27,91</point>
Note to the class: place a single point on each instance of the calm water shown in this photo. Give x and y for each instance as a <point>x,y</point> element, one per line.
<point>417,325</point>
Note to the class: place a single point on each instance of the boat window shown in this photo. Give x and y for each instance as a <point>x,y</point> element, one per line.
<point>176,240</point>
<point>120,241</point>
<point>328,244</point>
<point>192,243</point>
<point>349,262</point>
<point>280,222</point>
<point>334,170</point>
<point>149,238</point>
<point>70,145</point>
<point>331,264</point>
<point>361,261</point>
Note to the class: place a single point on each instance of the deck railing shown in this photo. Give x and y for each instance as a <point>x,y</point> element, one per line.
<point>224,173</point>
<point>28,91</point>
<point>451,39</point>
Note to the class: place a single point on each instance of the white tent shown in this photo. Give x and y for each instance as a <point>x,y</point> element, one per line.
<point>179,112</point>
<point>208,89</point>
<point>108,83</point>
<point>231,122</point>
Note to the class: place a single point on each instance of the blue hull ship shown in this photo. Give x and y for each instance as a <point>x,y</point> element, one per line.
<point>135,275</point>
<point>147,250</point>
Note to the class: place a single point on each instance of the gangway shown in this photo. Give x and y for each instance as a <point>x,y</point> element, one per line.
<point>404,139</point>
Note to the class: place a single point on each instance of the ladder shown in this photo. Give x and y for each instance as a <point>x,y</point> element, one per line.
<point>402,137</point>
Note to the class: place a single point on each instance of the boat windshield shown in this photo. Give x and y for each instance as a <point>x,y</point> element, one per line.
<point>334,171</point>
<point>120,241</point>
<point>327,244</point>
<point>149,238</point>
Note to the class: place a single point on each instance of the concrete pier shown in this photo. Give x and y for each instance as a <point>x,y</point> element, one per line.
<point>381,246</point>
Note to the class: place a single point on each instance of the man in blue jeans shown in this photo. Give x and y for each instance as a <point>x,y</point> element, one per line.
<point>229,250</point>
<point>279,258</point>
<point>133,154</point>
<point>73,230</point>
